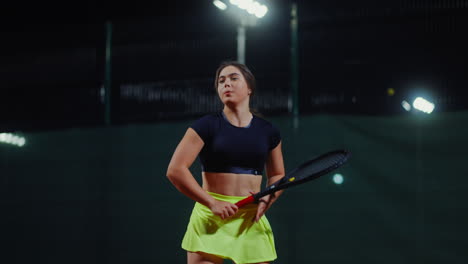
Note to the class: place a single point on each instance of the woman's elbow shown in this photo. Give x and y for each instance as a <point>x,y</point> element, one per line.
<point>170,173</point>
<point>173,173</point>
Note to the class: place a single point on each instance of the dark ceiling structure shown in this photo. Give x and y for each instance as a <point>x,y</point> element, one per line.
<point>350,55</point>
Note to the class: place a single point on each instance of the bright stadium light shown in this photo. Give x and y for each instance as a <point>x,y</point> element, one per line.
<point>220,4</point>
<point>423,105</point>
<point>12,139</point>
<point>260,10</point>
<point>254,10</point>
<point>406,105</point>
<point>252,7</point>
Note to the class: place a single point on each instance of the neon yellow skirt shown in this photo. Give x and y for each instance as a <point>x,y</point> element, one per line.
<point>237,238</point>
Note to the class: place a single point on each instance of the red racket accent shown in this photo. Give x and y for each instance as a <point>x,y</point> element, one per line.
<point>245,201</point>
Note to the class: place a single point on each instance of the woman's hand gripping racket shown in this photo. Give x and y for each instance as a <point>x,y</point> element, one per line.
<point>307,171</point>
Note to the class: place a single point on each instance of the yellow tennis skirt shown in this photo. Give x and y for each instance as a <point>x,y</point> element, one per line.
<point>238,238</point>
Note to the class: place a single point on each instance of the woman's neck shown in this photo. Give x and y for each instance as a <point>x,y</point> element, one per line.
<point>238,116</point>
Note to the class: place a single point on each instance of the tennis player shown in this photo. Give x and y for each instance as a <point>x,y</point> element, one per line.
<point>234,146</point>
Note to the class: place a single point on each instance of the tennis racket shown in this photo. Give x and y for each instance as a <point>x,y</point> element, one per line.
<point>307,171</point>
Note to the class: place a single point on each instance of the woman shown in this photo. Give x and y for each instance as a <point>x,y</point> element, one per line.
<point>234,146</point>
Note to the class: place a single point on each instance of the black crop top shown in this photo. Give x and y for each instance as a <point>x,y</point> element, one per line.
<point>235,149</point>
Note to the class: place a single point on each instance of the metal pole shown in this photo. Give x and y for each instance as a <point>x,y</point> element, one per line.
<point>241,43</point>
<point>107,77</point>
<point>294,66</point>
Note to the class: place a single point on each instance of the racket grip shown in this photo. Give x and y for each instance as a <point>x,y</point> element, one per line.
<point>245,201</point>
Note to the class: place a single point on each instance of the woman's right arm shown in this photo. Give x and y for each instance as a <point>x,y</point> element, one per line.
<point>179,174</point>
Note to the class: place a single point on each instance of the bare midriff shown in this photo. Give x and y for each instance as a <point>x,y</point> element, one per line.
<point>231,184</point>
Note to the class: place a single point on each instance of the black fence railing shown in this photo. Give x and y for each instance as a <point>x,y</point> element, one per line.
<point>187,98</point>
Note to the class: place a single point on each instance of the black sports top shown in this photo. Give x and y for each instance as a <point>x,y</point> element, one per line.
<point>228,148</point>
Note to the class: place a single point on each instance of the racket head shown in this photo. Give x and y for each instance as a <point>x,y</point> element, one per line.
<point>316,167</point>
<point>308,171</point>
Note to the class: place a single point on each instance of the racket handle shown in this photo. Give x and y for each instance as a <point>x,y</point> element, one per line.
<point>245,201</point>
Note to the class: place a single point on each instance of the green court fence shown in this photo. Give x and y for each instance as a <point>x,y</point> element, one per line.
<point>100,195</point>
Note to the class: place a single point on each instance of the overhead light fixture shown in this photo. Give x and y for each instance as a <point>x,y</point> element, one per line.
<point>252,7</point>
<point>423,105</point>
<point>12,139</point>
<point>254,11</point>
<point>406,105</point>
<point>219,4</point>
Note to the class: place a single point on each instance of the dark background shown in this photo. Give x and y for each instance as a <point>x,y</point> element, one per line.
<point>83,190</point>
<point>53,64</point>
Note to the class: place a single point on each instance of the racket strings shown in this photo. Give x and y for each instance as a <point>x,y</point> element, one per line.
<point>320,165</point>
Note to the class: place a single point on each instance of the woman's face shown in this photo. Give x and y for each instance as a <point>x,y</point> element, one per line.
<point>232,87</point>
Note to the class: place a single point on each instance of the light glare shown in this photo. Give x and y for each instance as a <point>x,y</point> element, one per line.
<point>220,4</point>
<point>12,139</point>
<point>252,7</point>
<point>261,11</point>
<point>406,105</point>
<point>21,141</point>
<point>244,4</point>
<point>423,105</point>
<point>338,178</point>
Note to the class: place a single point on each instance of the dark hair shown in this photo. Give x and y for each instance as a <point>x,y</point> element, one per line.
<point>248,76</point>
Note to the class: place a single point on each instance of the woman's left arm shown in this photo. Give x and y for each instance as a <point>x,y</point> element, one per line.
<point>275,171</point>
